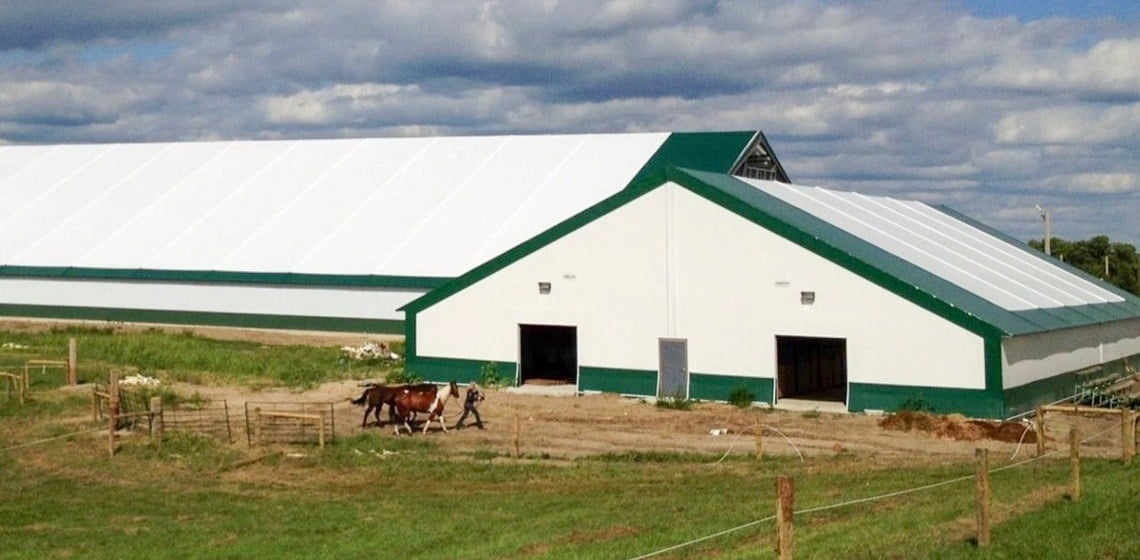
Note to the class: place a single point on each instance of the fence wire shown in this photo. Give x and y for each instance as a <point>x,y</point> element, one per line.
<point>868,499</point>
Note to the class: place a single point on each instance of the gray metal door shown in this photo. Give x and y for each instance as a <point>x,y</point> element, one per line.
<point>673,368</point>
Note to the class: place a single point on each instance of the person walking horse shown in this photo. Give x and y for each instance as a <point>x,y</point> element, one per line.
<point>471,406</point>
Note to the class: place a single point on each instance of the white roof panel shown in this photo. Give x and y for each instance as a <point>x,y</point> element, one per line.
<point>395,206</point>
<point>946,247</point>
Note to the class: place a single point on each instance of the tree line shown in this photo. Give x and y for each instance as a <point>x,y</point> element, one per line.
<point>1115,263</point>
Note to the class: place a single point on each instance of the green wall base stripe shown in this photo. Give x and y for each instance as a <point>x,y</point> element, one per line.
<point>708,387</point>
<point>244,320</point>
<point>623,381</point>
<point>1024,398</point>
<point>975,403</point>
<point>415,283</point>
<point>442,370</point>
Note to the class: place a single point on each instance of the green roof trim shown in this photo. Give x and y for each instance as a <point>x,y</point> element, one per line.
<point>174,317</point>
<point>822,238</point>
<point>933,293</point>
<point>223,277</point>
<point>948,300</point>
<point>705,151</point>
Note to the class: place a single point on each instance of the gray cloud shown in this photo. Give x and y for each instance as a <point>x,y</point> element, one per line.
<point>909,99</point>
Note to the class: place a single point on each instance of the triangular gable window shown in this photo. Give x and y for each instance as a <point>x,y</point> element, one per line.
<point>760,164</point>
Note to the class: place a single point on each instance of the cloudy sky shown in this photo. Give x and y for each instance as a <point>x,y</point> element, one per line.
<point>989,110</point>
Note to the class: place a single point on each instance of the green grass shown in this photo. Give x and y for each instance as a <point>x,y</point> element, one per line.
<point>193,497</point>
<point>181,357</point>
<point>370,494</point>
<point>412,502</point>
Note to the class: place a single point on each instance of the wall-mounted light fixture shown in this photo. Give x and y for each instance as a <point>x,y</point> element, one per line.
<point>544,288</point>
<point>807,298</point>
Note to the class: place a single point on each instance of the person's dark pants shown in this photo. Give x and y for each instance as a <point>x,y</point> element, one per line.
<point>473,410</point>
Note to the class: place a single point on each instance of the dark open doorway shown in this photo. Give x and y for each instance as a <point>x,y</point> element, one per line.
<point>548,354</point>
<point>811,368</point>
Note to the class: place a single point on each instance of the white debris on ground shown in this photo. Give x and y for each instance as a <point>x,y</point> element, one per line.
<point>369,351</point>
<point>13,346</point>
<point>140,380</point>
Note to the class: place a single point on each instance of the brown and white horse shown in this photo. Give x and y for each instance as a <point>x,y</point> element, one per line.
<point>376,396</point>
<point>428,399</point>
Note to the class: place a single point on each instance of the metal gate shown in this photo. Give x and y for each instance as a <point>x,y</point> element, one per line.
<point>673,368</point>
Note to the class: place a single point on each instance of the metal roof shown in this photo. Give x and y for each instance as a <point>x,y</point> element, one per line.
<point>408,207</point>
<point>947,247</point>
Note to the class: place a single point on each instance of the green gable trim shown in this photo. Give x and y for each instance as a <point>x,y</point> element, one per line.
<point>443,370</point>
<point>709,387</point>
<point>223,277</point>
<point>622,381</point>
<point>243,320</point>
<point>876,265</point>
<point>716,152</point>
<point>973,403</point>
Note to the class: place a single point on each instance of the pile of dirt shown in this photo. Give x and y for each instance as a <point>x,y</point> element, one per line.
<point>957,427</point>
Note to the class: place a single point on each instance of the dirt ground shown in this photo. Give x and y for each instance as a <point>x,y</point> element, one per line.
<point>566,427</point>
<point>574,426</point>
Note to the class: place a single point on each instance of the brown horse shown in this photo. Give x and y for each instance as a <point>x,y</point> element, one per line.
<point>376,396</point>
<point>430,400</point>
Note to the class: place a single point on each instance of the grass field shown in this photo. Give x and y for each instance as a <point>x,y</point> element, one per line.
<point>370,495</point>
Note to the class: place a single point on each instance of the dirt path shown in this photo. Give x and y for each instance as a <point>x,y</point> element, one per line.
<point>574,426</point>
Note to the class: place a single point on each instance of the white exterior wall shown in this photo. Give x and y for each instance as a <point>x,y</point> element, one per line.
<point>606,278</point>
<point>673,264</point>
<point>363,303</point>
<point>1038,356</point>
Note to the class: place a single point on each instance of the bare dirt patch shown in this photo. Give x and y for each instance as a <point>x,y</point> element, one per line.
<point>574,426</point>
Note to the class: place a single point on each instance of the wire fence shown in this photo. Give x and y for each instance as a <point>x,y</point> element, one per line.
<point>868,499</point>
<point>211,419</point>
<point>289,422</point>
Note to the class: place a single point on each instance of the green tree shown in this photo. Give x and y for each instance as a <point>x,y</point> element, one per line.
<point>1116,263</point>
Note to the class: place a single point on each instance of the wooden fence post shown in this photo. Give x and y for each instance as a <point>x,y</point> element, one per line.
<point>113,416</point>
<point>785,509</point>
<point>517,437</point>
<point>72,354</point>
<point>1131,438</point>
<point>1127,435</point>
<point>157,426</point>
<point>1075,459</point>
<point>257,425</point>
<point>321,429</point>
<point>1040,431</point>
<point>982,490</point>
<point>759,440</point>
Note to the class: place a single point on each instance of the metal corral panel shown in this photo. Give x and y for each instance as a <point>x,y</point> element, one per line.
<point>431,207</point>
<point>989,267</point>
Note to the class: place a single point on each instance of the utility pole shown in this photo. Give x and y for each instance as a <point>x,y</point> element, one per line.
<point>1048,234</point>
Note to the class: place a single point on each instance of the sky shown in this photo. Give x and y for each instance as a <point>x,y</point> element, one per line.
<point>991,108</point>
